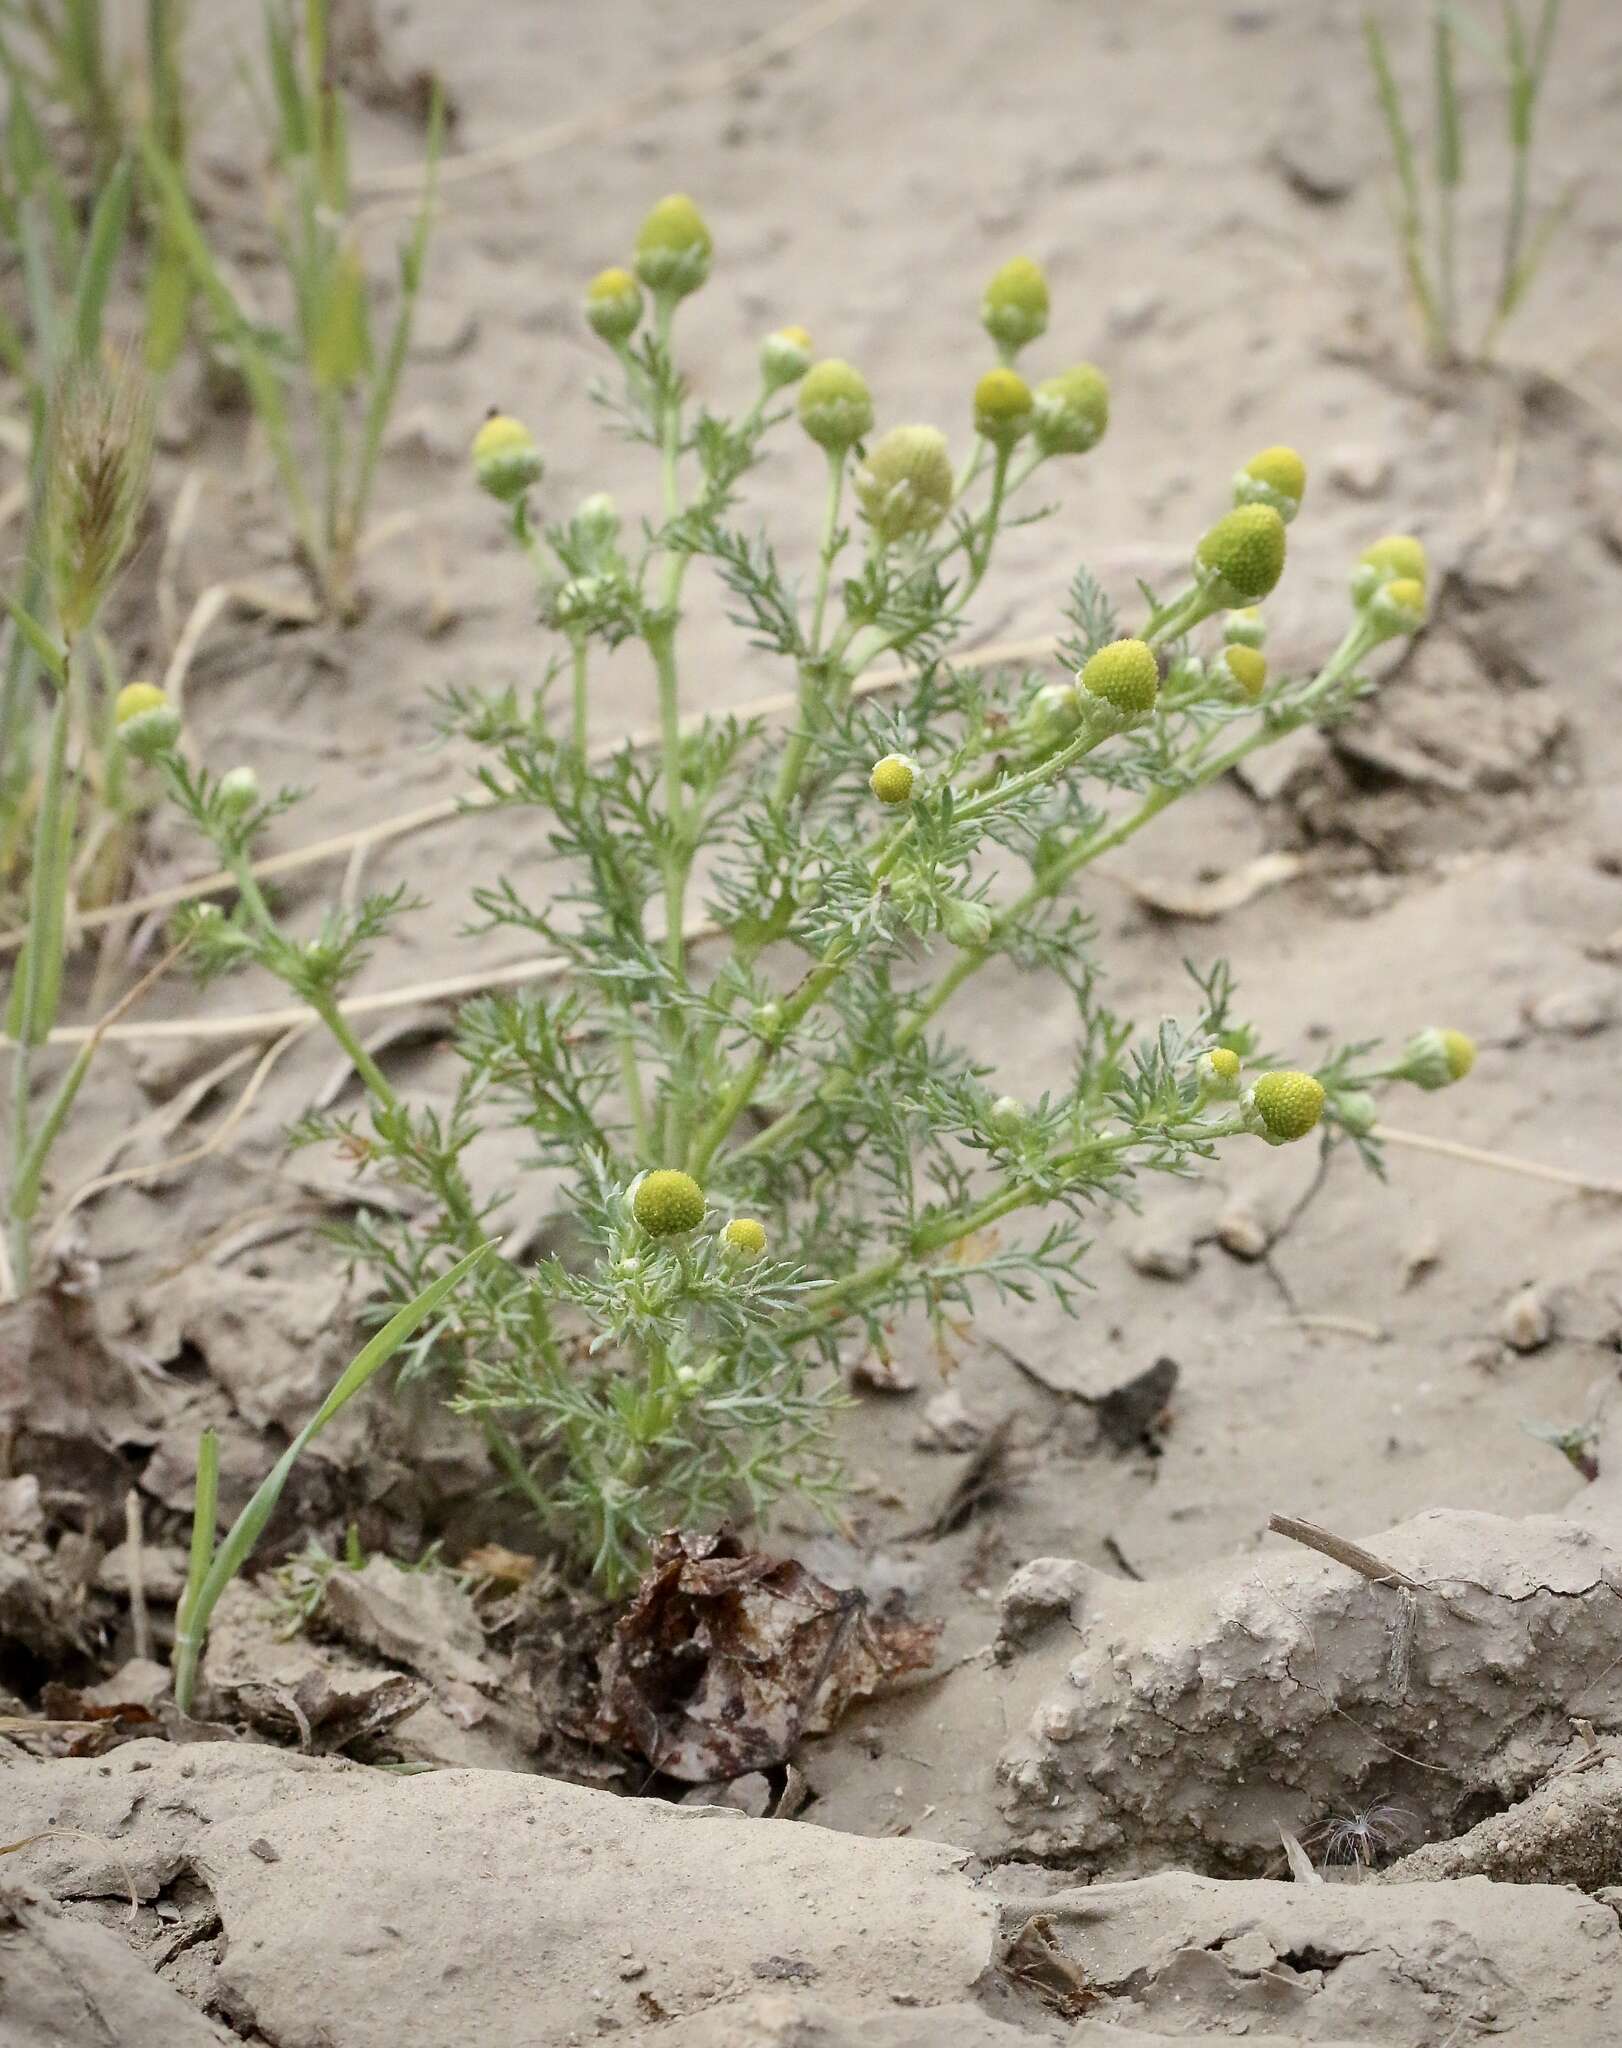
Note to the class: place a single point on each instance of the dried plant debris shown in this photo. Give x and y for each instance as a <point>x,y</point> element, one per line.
<point>727,1659</point>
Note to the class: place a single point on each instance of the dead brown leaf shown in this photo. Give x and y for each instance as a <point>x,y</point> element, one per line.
<point>726,1659</point>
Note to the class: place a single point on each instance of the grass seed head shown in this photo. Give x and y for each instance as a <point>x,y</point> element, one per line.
<point>99,456</point>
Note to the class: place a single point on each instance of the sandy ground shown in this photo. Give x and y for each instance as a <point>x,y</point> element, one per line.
<point>1207,188</point>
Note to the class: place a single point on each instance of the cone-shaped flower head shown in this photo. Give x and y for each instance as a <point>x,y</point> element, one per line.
<point>239,790</point>
<point>506,460</point>
<point>836,407</point>
<point>1398,607</point>
<point>1276,477</point>
<point>893,779</point>
<point>1243,554</point>
<point>673,247</point>
<point>1245,628</point>
<point>785,356</point>
<point>1002,407</point>
<point>1395,557</point>
<point>1286,1106</point>
<point>1071,411</point>
<point>1218,1072</point>
<point>1124,675</point>
<point>667,1202</point>
<point>1244,670</point>
<point>1437,1058</point>
<point>905,486</point>
<point>613,305</point>
<point>147,723</point>
<point>965,922</point>
<point>744,1237</point>
<point>1014,310</point>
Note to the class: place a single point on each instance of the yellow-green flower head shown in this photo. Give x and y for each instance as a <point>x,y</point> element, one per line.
<point>1124,675</point>
<point>744,1237</point>
<point>613,305</point>
<point>893,779</point>
<point>785,356</point>
<point>1243,670</point>
<point>1071,411</point>
<point>667,1202</point>
<point>1014,310</point>
<point>905,486</point>
<point>1243,554</point>
<point>1356,1111</point>
<point>1395,557</point>
<point>1286,1106</point>
<point>965,922</point>
<point>239,790</point>
<point>148,724</point>
<point>673,247</point>
<point>1052,714</point>
<point>1398,607</point>
<point>1245,628</point>
<point>506,460</point>
<point>836,407</point>
<point>1218,1073</point>
<point>1276,477</point>
<point>1437,1058</point>
<point>1002,407</point>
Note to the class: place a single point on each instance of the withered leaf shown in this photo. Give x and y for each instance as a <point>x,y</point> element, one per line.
<point>726,1658</point>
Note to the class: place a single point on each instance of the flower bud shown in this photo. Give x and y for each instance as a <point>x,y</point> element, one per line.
<point>1242,556</point>
<point>744,1237</point>
<point>1008,1116</point>
<point>1071,411</point>
<point>667,1202</point>
<point>1124,675</point>
<point>1436,1058</point>
<point>905,486</point>
<point>1014,311</point>
<point>613,305</point>
<point>1051,715</point>
<point>1218,1074</point>
<point>785,356</point>
<point>767,1019</point>
<point>1283,1107</point>
<point>506,460</point>
<point>1242,672</point>
<point>1356,1111</point>
<point>965,922</point>
<point>1397,556</point>
<point>1398,607</point>
<point>1002,407</point>
<point>579,598</point>
<point>596,523</point>
<point>893,779</point>
<point>1276,477</point>
<point>239,790</point>
<point>1246,628</point>
<point>673,247</point>
<point>147,723</point>
<point>836,407</point>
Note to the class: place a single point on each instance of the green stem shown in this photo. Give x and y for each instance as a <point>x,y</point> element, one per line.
<point>579,657</point>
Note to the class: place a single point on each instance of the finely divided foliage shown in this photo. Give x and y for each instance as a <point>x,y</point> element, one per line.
<point>764,1142</point>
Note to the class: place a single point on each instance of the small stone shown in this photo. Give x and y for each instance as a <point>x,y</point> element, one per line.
<point>1358,470</point>
<point>1572,1012</point>
<point>264,1850</point>
<point>947,1425</point>
<point>629,1972</point>
<point>1242,1232</point>
<point>1527,1320</point>
<point>1161,1258</point>
<point>1132,314</point>
<point>1040,1590</point>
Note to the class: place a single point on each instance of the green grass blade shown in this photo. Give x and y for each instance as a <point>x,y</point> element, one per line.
<point>102,244</point>
<point>1409,221</point>
<point>238,1543</point>
<point>46,650</point>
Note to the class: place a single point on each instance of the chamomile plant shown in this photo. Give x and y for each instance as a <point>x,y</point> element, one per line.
<point>769,1140</point>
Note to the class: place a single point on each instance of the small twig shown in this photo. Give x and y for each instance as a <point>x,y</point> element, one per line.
<point>140,1620</point>
<point>1504,1162</point>
<point>1352,1555</point>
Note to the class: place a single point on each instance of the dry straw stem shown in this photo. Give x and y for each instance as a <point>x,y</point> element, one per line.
<point>694,82</point>
<point>780,704</point>
<point>1502,1162</point>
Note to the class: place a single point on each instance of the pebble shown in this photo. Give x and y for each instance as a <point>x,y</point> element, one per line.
<point>1161,1258</point>
<point>1573,1012</point>
<point>1241,1231</point>
<point>1358,470</point>
<point>947,1425</point>
<point>1526,1322</point>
